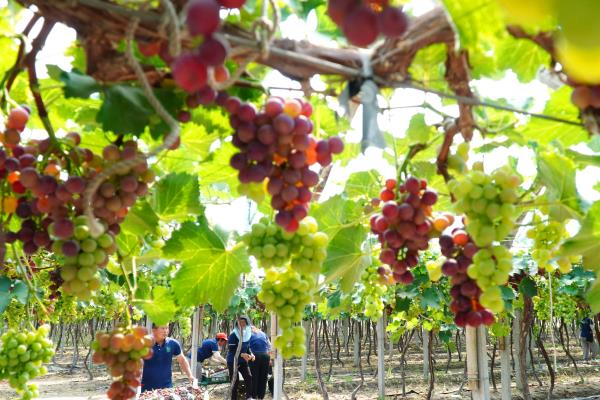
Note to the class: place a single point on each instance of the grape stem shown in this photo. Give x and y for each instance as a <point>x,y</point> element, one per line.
<point>11,74</point>
<point>34,86</point>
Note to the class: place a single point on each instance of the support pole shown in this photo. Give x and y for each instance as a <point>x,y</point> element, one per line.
<point>477,365</point>
<point>380,358</point>
<point>426,344</point>
<point>196,339</point>
<point>482,361</point>
<point>505,369</point>
<point>304,367</point>
<point>278,361</point>
<point>356,343</point>
<point>516,327</point>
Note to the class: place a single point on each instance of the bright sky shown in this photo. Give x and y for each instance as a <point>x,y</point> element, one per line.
<point>395,121</point>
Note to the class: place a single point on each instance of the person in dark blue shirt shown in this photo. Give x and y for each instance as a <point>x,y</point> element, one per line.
<point>243,331</point>
<point>157,372</point>
<point>209,350</point>
<point>259,366</point>
<point>587,338</point>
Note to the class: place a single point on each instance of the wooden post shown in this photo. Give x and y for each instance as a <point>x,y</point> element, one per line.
<point>380,358</point>
<point>304,367</point>
<point>426,344</point>
<point>505,369</point>
<point>516,348</point>
<point>278,361</point>
<point>196,339</point>
<point>356,343</point>
<point>345,334</point>
<point>477,365</point>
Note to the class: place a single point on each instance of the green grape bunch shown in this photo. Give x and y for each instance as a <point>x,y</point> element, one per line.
<point>488,202</point>
<point>373,292</point>
<point>83,253</point>
<point>547,238</point>
<point>287,292</point>
<point>22,355</point>
<point>491,267</point>
<point>272,246</point>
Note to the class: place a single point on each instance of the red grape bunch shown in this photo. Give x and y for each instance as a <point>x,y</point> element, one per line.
<point>363,20</point>
<point>191,70</point>
<point>276,143</point>
<point>43,184</point>
<point>123,350</point>
<point>404,225</point>
<point>118,193</point>
<point>459,250</point>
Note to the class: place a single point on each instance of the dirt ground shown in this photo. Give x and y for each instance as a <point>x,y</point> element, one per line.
<point>62,383</point>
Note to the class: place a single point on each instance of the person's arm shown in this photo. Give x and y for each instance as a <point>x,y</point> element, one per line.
<point>185,367</point>
<point>218,358</point>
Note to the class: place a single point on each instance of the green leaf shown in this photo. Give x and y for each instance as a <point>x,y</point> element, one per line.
<point>545,131</point>
<point>177,196</point>
<point>162,308</point>
<point>336,213</point>
<point>429,66</point>
<point>418,131</point>
<point>5,294</point>
<point>128,244</point>
<point>345,257</point>
<point>217,172</point>
<point>583,160</point>
<point>141,219</point>
<point>363,184</point>
<point>480,25</point>
<point>527,287</point>
<point>586,242</point>
<point>524,57</point>
<point>76,83</point>
<point>210,273</point>
<point>403,304</point>
<point>430,298</point>
<point>557,174</point>
<point>126,110</point>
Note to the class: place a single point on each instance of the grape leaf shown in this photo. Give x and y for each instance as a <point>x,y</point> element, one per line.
<point>335,213</point>
<point>586,242</point>
<point>363,183</point>
<point>418,131</point>
<point>77,84</point>
<point>524,57</point>
<point>177,196</point>
<point>345,257</point>
<point>545,131</point>
<point>527,287</point>
<point>430,298</point>
<point>210,273</point>
<point>557,173</point>
<point>126,110</point>
<point>162,308</point>
<point>429,67</point>
<point>141,219</point>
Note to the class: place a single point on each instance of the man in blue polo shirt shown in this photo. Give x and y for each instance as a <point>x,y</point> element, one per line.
<point>157,372</point>
<point>209,350</point>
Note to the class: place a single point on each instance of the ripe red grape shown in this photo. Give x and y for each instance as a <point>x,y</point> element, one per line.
<point>202,17</point>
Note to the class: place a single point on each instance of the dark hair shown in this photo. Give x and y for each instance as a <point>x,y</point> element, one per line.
<point>154,326</point>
